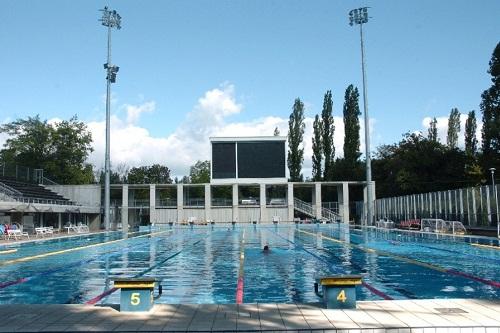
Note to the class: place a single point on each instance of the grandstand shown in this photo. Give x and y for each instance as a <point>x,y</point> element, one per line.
<point>27,202</point>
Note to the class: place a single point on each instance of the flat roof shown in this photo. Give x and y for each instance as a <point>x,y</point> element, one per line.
<point>246,138</point>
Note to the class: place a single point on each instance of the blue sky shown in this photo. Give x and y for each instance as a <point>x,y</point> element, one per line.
<point>192,69</point>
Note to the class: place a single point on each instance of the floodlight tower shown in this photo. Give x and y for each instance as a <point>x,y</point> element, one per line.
<point>110,19</point>
<point>360,16</point>
<point>495,195</point>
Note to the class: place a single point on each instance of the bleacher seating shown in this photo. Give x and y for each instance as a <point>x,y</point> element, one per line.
<point>33,191</point>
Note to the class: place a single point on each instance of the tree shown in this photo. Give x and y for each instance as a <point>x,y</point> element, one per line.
<point>276,131</point>
<point>60,148</point>
<point>327,139</point>
<point>351,125</point>
<point>470,134</point>
<point>453,129</point>
<point>199,173</point>
<point>432,133</point>
<point>317,155</point>
<point>296,128</point>
<point>418,165</point>
<point>490,108</point>
<point>155,174</point>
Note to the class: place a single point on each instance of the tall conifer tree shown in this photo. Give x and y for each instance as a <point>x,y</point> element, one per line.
<point>351,125</point>
<point>317,155</point>
<point>432,133</point>
<point>470,134</point>
<point>453,128</point>
<point>296,128</point>
<point>490,108</point>
<point>327,137</point>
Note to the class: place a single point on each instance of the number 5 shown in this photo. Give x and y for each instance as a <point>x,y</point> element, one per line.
<point>135,299</point>
<point>341,296</point>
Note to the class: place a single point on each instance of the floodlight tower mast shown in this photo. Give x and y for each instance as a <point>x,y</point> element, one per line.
<point>495,196</point>
<point>110,19</point>
<point>360,16</point>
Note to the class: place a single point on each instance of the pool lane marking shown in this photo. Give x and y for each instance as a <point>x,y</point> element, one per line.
<point>108,292</point>
<point>108,254</point>
<point>48,254</point>
<point>8,251</point>
<point>412,261</point>
<point>486,246</point>
<point>446,250</point>
<point>239,286</point>
<point>364,284</point>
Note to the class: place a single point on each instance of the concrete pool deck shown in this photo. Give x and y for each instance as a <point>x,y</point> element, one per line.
<point>402,316</point>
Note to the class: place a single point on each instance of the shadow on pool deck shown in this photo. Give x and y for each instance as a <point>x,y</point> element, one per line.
<point>376,316</point>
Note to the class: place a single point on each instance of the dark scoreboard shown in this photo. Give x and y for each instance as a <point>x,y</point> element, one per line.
<point>248,159</point>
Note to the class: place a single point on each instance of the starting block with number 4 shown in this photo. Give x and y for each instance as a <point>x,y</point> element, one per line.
<point>338,292</point>
<point>136,293</point>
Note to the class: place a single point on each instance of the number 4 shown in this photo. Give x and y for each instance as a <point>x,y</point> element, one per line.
<point>341,296</point>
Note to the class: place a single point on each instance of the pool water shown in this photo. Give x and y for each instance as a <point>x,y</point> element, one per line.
<point>208,264</point>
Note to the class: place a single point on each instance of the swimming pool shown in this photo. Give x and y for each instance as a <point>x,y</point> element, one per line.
<point>225,264</point>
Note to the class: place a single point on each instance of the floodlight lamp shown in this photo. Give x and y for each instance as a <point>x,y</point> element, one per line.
<point>105,66</point>
<point>492,170</point>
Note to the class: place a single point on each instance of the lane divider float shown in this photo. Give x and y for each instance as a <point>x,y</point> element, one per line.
<point>48,254</point>
<point>411,261</point>
<point>239,286</point>
<point>149,269</point>
<point>364,284</point>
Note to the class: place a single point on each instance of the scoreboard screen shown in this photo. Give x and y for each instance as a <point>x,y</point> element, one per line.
<point>265,159</point>
<point>248,159</point>
<point>223,160</point>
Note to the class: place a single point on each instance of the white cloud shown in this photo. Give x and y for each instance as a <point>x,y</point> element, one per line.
<point>134,145</point>
<point>134,111</point>
<point>442,128</point>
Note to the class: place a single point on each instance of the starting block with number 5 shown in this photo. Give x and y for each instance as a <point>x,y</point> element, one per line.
<point>136,293</point>
<point>338,292</point>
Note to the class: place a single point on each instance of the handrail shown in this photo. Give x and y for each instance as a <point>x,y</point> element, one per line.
<point>303,207</point>
<point>10,191</point>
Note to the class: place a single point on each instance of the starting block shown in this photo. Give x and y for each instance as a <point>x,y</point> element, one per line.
<point>338,292</point>
<point>136,293</point>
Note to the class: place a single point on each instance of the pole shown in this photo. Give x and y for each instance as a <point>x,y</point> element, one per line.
<point>107,159</point>
<point>496,199</point>
<point>369,213</point>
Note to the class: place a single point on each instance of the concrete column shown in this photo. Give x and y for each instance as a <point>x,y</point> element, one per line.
<point>343,197</point>
<point>474,208</point>
<point>125,208</point>
<point>41,220</point>
<point>290,197</point>
<point>152,204</point>
<point>59,221</point>
<point>180,202</point>
<point>317,199</point>
<point>263,201</point>
<point>235,202</point>
<point>208,202</point>
<point>488,204</point>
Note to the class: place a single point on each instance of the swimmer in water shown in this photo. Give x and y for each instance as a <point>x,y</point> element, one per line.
<point>266,249</point>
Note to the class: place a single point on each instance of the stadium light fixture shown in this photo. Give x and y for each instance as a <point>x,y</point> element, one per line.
<point>110,19</point>
<point>359,16</point>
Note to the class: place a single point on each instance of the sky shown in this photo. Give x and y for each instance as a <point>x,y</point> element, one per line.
<point>191,69</point>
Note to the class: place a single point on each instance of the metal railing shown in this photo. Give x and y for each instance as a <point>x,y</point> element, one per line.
<point>166,202</point>
<point>25,174</point>
<point>304,207</point>
<point>11,192</point>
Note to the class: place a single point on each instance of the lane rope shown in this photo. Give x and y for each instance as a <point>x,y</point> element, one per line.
<point>108,292</point>
<point>48,254</point>
<point>239,287</point>
<point>411,261</point>
<point>364,284</point>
